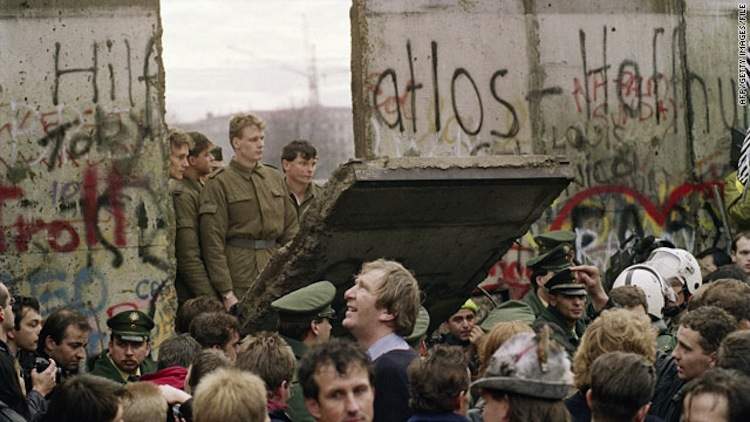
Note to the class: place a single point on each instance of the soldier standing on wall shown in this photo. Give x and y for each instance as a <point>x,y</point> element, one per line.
<point>245,213</point>
<point>192,279</point>
<point>299,159</point>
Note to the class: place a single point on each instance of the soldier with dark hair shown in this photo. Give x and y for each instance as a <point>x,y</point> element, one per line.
<point>299,160</point>
<point>543,266</point>
<point>568,291</point>
<point>191,279</point>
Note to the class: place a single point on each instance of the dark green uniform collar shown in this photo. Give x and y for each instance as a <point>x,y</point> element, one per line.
<point>298,347</point>
<point>553,315</point>
<point>534,302</point>
<point>104,367</point>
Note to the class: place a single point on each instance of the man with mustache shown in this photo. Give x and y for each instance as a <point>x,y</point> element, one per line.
<point>127,358</point>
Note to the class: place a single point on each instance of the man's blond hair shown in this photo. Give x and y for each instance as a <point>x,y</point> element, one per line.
<point>178,139</point>
<point>398,294</point>
<point>229,394</point>
<point>616,330</point>
<point>143,402</point>
<point>242,121</point>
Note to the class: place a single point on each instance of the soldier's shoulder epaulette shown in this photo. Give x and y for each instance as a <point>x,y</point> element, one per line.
<point>216,172</point>
<point>270,165</point>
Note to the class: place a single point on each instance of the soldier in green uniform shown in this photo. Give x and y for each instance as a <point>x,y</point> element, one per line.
<point>542,267</point>
<point>299,160</point>
<point>304,321</point>
<point>127,358</point>
<point>568,312</point>
<point>192,279</point>
<point>245,213</point>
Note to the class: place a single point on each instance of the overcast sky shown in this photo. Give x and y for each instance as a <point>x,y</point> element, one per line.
<point>223,56</point>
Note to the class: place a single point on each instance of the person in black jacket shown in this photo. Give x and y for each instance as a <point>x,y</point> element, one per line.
<point>698,338</point>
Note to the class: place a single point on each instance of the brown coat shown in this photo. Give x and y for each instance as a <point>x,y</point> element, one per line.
<point>192,278</point>
<point>248,204</point>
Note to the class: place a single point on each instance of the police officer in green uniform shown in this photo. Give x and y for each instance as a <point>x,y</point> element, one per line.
<point>576,297</point>
<point>245,213</point>
<point>191,279</point>
<point>542,267</point>
<point>128,357</point>
<point>304,320</point>
<point>510,310</point>
<point>299,160</point>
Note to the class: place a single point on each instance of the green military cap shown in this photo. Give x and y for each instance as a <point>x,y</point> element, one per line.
<point>313,301</point>
<point>564,283</point>
<point>549,241</point>
<point>420,327</point>
<point>557,259</point>
<point>131,326</point>
<point>511,310</point>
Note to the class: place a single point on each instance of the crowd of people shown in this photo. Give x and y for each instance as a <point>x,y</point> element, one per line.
<point>666,337</point>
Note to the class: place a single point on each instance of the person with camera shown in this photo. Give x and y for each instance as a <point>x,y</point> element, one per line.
<point>14,404</point>
<point>36,380</point>
<point>64,337</point>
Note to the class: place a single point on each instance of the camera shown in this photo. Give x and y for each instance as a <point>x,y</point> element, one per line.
<point>41,364</point>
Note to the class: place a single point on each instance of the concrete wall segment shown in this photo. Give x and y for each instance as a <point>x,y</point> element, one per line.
<point>639,96</point>
<point>84,205</point>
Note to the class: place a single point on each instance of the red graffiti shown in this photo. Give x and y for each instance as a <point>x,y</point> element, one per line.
<point>61,234</point>
<point>121,307</point>
<point>658,213</point>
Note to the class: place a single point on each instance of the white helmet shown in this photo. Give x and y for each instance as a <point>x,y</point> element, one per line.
<point>653,285</point>
<point>677,263</point>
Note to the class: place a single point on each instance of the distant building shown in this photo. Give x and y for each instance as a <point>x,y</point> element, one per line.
<point>329,129</point>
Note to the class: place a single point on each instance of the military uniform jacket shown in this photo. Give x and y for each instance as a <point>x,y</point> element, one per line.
<point>560,332</point>
<point>311,195</point>
<point>192,277</point>
<point>245,204</point>
<point>296,403</point>
<point>534,302</point>
<point>103,366</point>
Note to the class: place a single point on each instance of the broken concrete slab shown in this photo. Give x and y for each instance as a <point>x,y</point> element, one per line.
<point>446,219</point>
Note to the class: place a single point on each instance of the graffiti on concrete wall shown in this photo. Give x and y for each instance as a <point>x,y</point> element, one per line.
<point>640,105</point>
<point>83,216</point>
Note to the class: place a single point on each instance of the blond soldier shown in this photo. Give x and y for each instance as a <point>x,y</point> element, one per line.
<point>245,213</point>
